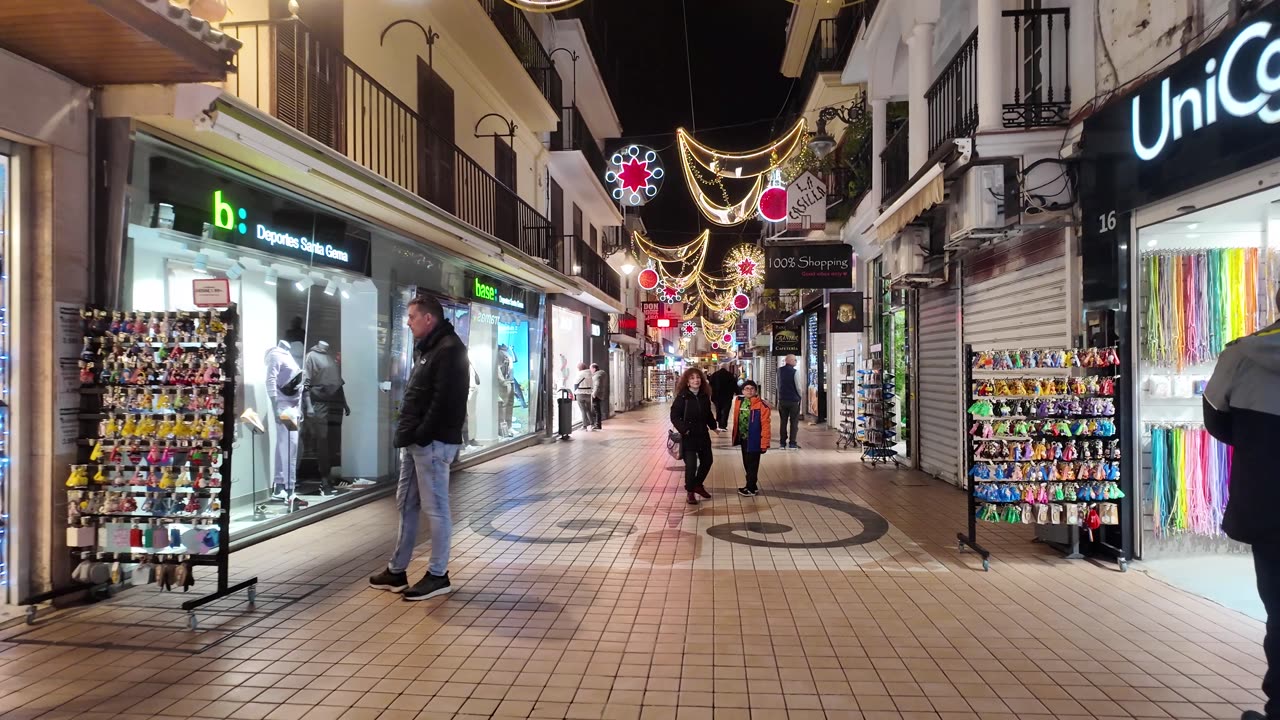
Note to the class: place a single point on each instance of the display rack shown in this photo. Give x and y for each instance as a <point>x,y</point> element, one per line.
<point>875,413</point>
<point>1043,445</point>
<point>849,404</point>
<point>151,491</point>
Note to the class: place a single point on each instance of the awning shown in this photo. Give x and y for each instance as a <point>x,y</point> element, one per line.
<point>623,339</point>
<point>923,194</point>
<point>117,42</point>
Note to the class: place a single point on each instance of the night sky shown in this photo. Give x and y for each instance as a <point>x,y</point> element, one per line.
<point>735,52</point>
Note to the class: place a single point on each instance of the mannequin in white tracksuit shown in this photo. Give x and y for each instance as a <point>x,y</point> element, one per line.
<point>281,367</point>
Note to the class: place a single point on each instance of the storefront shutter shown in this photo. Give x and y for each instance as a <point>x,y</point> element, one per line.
<point>1015,294</point>
<point>940,378</point>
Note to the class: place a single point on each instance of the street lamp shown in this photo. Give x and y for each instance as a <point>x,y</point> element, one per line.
<point>822,143</point>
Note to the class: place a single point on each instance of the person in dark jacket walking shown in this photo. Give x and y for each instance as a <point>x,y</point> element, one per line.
<point>724,387</point>
<point>1242,409</point>
<point>429,435</point>
<point>692,418</point>
<point>789,396</point>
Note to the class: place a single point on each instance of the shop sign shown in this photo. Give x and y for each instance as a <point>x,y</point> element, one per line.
<point>499,294</point>
<point>211,292</point>
<point>276,239</point>
<point>847,311</point>
<point>807,203</point>
<point>740,332</point>
<point>654,311</point>
<point>809,265</point>
<point>596,330</point>
<point>786,340</point>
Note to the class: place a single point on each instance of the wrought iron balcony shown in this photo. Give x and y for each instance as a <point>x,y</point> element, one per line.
<point>895,166</point>
<point>953,97</point>
<point>573,134</point>
<point>1041,70</point>
<point>524,42</point>
<point>574,257</point>
<point>285,72</point>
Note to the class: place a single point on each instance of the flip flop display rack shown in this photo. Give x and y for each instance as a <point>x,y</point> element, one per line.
<point>149,499</point>
<point>1043,446</point>
<point>876,402</point>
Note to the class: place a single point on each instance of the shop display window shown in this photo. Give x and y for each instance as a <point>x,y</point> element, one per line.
<point>322,296</point>
<point>567,348</point>
<point>1205,279</point>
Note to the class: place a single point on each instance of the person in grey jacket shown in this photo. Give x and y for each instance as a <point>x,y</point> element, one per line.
<point>1242,409</point>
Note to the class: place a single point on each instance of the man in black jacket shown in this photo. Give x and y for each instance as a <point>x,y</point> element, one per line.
<point>1242,409</point>
<point>724,387</point>
<point>429,434</point>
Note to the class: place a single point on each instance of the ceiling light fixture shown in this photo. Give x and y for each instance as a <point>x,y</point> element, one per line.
<point>304,284</point>
<point>331,287</point>
<point>201,264</point>
<point>235,271</point>
<point>273,276</point>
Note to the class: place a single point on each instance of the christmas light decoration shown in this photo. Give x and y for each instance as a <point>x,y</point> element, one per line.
<point>696,157</point>
<point>726,338</point>
<point>741,302</point>
<point>636,173</point>
<point>648,279</point>
<point>715,346</point>
<point>772,204</point>
<point>745,264</point>
<point>688,329</point>
<point>543,6</point>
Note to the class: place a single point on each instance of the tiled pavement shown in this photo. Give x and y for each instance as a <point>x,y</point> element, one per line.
<point>586,588</point>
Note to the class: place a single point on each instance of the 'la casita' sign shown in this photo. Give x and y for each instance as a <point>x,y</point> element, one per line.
<point>807,203</point>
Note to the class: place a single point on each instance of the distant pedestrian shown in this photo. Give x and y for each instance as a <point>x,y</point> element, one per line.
<point>789,395</point>
<point>751,420</point>
<point>599,381</point>
<point>692,417</point>
<point>429,435</point>
<point>582,390</point>
<point>724,386</point>
<point>1242,409</point>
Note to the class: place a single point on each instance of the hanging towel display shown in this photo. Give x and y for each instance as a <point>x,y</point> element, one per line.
<point>1189,480</point>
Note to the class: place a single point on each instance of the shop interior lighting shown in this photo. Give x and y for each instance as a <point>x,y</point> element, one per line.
<point>1193,226</point>
<point>346,295</point>
<point>1151,243</point>
<point>273,276</point>
<point>1192,236</point>
<point>331,287</point>
<point>235,271</point>
<point>201,264</point>
<point>304,284</point>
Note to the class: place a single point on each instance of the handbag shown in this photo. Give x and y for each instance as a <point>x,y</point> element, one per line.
<point>675,441</point>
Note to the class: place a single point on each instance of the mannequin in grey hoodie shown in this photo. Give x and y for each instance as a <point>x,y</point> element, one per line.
<point>1242,409</point>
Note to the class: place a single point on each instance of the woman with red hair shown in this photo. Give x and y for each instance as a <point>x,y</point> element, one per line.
<point>693,418</point>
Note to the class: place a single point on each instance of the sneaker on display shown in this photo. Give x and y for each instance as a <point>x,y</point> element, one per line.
<point>387,580</point>
<point>362,482</point>
<point>428,587</point>
<point>279,495</point>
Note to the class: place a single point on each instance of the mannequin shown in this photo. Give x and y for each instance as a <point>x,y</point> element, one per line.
<point>281,369</point>
<point>324,406</point>
<point>505,372</point>
<point>469,435</point>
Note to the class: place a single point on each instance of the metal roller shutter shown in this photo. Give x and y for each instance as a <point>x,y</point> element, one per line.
<point>939,377</point>
<point>1015,295</point>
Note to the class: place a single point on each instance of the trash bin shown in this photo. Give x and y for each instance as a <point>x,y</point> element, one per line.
<point>564,414</point>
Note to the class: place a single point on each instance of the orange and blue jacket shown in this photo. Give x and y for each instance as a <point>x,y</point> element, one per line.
<point>758,427</point>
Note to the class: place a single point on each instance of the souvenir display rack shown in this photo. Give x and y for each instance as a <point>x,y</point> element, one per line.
<point>1042,444</point>
<point>875,413</point>
<point>850,404</point>
<point>152,488</point>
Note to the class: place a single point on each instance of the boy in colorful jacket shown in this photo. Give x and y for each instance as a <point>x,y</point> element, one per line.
<point>751,421</point>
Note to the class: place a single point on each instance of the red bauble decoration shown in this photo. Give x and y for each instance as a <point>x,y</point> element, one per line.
<point>727,338</point>
<point>648,279</point>
<point>715,346</point>
<point>773,204</point>
<point>741,302</point>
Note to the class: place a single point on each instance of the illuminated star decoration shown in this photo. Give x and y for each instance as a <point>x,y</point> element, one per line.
<point>669,293</point>
<point>688,329</point>
<point>635,172</point>
<point>745,264</point>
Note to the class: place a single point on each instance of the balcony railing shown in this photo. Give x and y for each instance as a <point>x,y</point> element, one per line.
<point>953,97</point>
<point>829,50</point>
<point>524,42</point>
<point>895,166</point>
<point>286,73</point>
<point>573,134</point>
<point>575,258</point>
<point>1041,68</point>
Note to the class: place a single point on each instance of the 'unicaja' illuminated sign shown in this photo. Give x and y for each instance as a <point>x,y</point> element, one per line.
<point>1200,106</point>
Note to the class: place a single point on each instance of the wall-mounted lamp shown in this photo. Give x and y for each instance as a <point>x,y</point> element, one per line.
<point>511,127</point>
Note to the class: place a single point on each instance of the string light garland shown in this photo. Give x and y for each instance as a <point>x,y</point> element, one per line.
<point>752,165</point>
<point>543,6</point>
<point>678,273</point>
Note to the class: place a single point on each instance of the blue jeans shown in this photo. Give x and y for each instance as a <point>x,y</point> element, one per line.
<point>424,485</point>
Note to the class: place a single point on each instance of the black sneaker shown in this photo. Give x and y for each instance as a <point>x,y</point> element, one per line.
<point>748,492</point>
<point>793,446</point>
<point>428,587</point>
<point>387,580</point>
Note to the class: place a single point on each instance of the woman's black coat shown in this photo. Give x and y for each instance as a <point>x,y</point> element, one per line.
<point>692,415</point>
